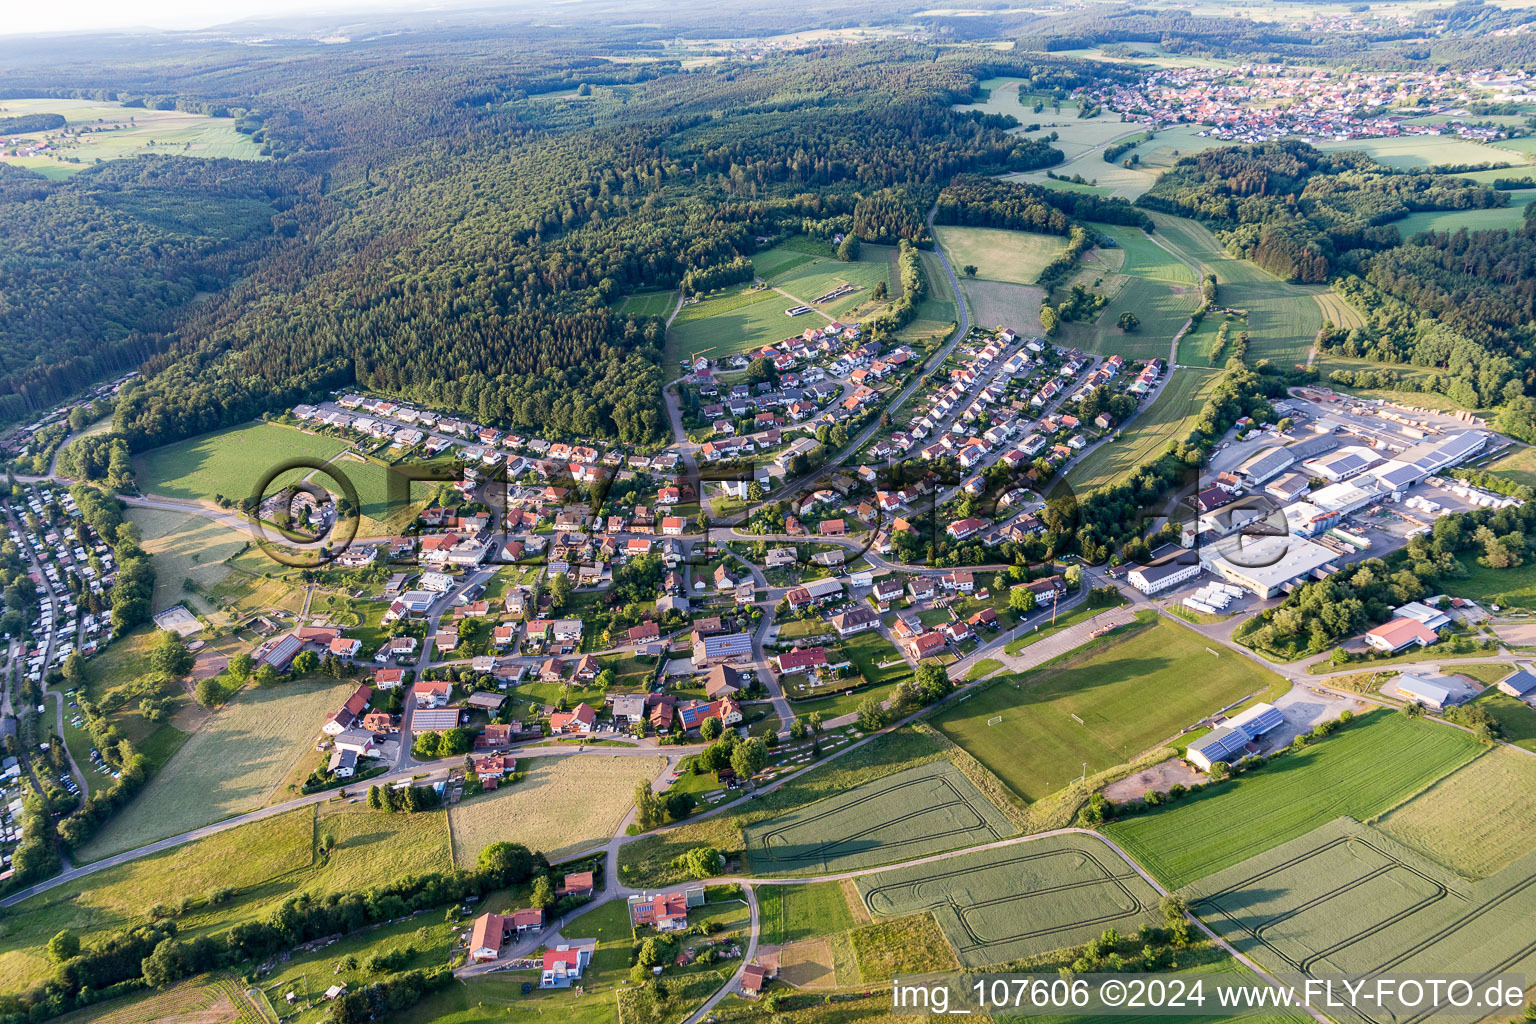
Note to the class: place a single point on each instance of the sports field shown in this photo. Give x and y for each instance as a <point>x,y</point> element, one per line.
<point>811,278</point>
<point>232,764</point>
<point>229,462</point>
<point>1283,318</point>
<point>125,132</point>
<point>1477,819</point>
<point>913,813</point>
<point>1511,216</point>
<point>649,303</point>
<point>734,320</point>
<point>1170,417</point>
<point>1018,901</point>
<point>1016,257</point>
<point>1127,697</point>
<point>1374,764</point>
<point>563,806</point>
<point>1344,899</point>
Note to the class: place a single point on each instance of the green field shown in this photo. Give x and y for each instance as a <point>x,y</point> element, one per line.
<point>185,547</point>
<point>1130,694</point>
<point>912,813</point>
<point>649,303</point>
<point>1170,417</point>
<point>808,279</point>
<point>875,658</point>
<point>1019,901</point>
<point>1343,899</point>
<point>1367,768</point>
<point>232,764</point>
<point>790,913</point>
<point>939,306</point>
<point>1411,151</point>
<point>1283,318</point>
<point>1519,466</point>
<point>1511,216</point>
<point>229,462</point>
<point>124,132</point>
<point>1139,276</point>
<point>1517,719</point>
<point>1016,257</point>
<point>1513,587</point>
<point>735,320</point>
<point>1477,819</point>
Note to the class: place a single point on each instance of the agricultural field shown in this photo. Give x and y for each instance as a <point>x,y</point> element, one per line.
<point>564,805</point>
<point>1422,151</point>
<point>1170,417</point>
<point>790,913</point>
<point>1122,697</point>
<point>229,462</point>
<point>1474,821</point>
<point>912,813</point>
<point>1283,318</point>
<point>230,765</point>
<point>1015,257</point>
<point>1344,899</point>
<point>939,305</point>
<point>1374,764</point>
<point>1511,216</point>
<point>217,1000</point>
<point>185,547</point>
<point>657,303</point>
<point>119,132</point>
<point>995,303</point>
<point>1018,901</point>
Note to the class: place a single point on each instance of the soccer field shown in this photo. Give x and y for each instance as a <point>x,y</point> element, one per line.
<point>923,810</point>
<point>1374,764</point>
<point>734,320</point>
<point>1019,901</point>
<point>1102,709</point>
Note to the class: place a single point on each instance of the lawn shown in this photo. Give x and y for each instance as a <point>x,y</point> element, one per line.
<point>1451,221</point>
<point>1018,901</point>
<point>1343,899</point>
<point>1170,417</point>
<point>1015,257</point>
<point>1517,720</point>
<point>733,320</point>
<point>1374,764</point>
<point>1477,819</point>
<point>875,658</point>
<point>185,547</point>
<point>656,303</point>
<point>789,913</point>
<point>231,765</point>
<point>563,806</point>
<point>1127,696</point>
<point>926,809</point>
<point>229,462</point>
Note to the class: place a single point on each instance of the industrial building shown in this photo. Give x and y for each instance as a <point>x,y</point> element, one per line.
<point>1428,690</point>
<point>1266,565</point>
<point>1152,579</point>
<point>1231,741</point>
<point>1269,464</point>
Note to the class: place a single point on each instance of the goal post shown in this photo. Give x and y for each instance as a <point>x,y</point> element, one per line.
<point>1079,721</point>
<point>994,719</point>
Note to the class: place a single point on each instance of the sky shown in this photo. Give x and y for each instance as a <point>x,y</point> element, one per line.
<point>95,15</point>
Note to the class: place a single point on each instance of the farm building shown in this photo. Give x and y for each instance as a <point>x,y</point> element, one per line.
<point>1521,685</point>
<point>1230,741</point>
<point>1399,634</point>
<point>1428,690</point>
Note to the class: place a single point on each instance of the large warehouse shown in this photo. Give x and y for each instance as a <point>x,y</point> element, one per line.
<point>1229,742</point>
<point>1265,565</point>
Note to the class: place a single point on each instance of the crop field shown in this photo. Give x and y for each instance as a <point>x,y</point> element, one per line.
<point>1127,697</point>
<point>230,765</point>
<point>912,813</point>
<point>1474,821</point>
<point>1144,257</point>
<point>657,303</point>
<point>1344,899</point>
<point>563,806</point>
<point>1374,764</point>
<point>1419,151</point>
<point>229,462</point>
<point>1018,901</point>
<point>1162,309</point>
<point>1171,415</point>
<point>126,132</point>
<point>200,1001</point>
<point>1511,216</point>
<point>734,320</point>
<point>806,280</point>
<point>1016,257</point>
<point>790,913</point>
<point>1283,318</point>
<point>184,547</point>
<point>996,303</point>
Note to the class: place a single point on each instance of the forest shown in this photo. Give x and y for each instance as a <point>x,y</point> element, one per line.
<point>463,240</point>
<point>975,201</point>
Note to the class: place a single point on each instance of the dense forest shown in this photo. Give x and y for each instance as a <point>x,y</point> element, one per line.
<point>464,238</point>
<point>974,201</point>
